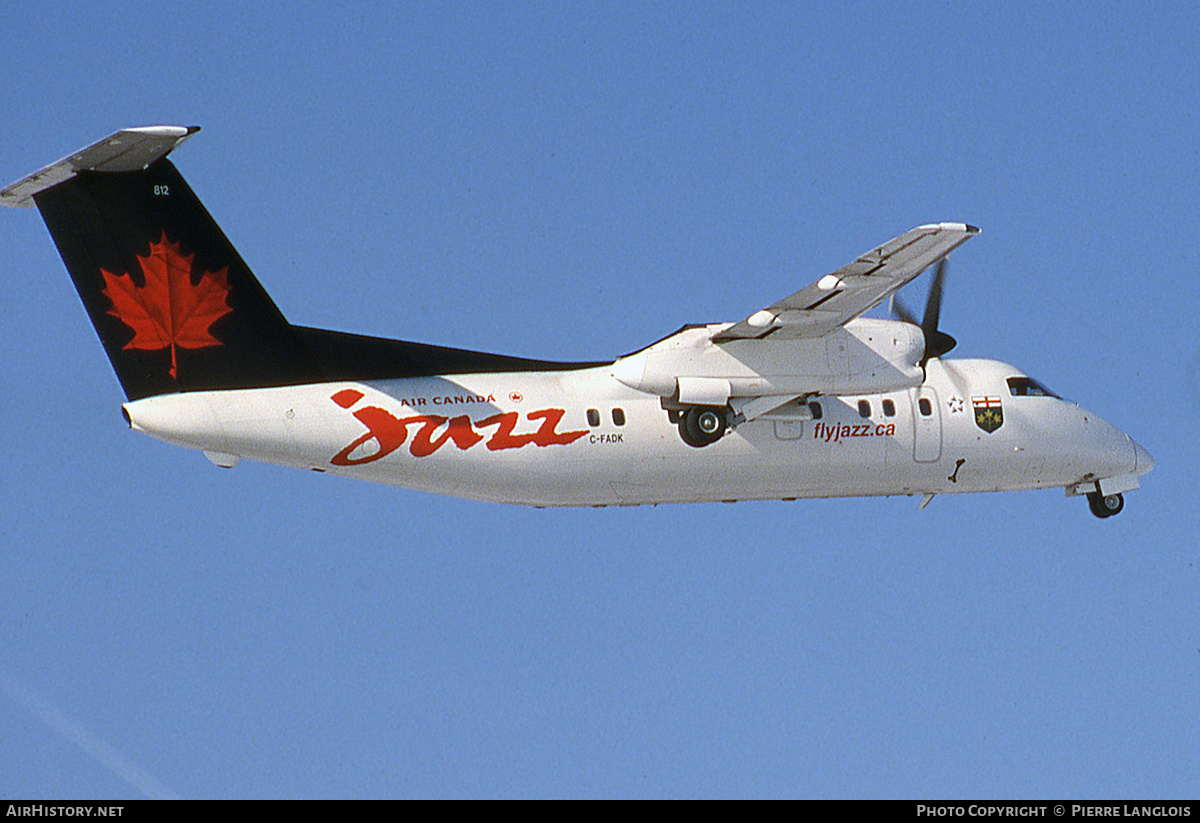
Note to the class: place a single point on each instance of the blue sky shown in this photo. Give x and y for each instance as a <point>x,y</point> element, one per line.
<point>574,181</point>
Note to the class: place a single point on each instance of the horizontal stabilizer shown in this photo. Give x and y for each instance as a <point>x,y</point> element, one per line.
<point>125,150</point>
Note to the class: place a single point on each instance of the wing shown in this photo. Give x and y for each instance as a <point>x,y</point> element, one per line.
<point>851,290</point>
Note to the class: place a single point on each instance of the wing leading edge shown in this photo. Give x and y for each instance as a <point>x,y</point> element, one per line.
<point>853,289</point>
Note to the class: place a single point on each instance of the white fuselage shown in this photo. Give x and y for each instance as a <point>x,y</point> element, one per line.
<point>584,438</point>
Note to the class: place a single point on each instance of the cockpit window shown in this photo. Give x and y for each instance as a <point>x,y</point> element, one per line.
<point>1028,387</point>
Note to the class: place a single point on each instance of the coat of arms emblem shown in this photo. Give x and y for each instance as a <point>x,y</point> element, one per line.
<point>989,414</point>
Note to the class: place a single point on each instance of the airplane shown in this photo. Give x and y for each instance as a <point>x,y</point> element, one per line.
<point>805,398</point>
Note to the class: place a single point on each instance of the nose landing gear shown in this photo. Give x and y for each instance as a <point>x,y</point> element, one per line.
<point>1105,505</point>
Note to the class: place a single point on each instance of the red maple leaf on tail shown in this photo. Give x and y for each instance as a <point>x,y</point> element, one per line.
<point>168,310</point>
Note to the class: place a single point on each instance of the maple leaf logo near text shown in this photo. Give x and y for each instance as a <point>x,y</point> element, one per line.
<point>167,310</point>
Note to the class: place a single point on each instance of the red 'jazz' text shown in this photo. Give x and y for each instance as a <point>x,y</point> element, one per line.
<point>390,432</point>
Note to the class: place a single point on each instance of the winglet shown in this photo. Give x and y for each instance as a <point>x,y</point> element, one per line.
<point>125,150</point>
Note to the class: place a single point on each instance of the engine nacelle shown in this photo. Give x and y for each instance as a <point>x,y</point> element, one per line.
<point>866,356</point>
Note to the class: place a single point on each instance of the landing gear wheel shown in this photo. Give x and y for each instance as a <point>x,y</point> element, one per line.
<point>1105,505</point>
<point>702,425</point>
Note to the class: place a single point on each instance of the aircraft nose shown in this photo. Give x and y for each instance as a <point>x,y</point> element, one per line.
<point>1142,461</point>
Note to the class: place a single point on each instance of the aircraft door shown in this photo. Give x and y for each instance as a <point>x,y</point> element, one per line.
<point>927,425</point>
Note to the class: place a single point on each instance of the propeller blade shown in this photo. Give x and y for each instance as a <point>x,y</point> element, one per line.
<point>938,345</point>
<point>937,342</point>
<point>933,304</point>
<point>901,311</point>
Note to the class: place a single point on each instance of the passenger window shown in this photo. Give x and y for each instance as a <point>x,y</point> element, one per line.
<point>619,417</point>
<point>925,406</point>
<point>593,417</point>
<point>815,408</point>
<point>864,408</point>
<point>889,408</point>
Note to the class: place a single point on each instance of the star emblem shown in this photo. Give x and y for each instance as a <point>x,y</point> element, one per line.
<point>955,404</point>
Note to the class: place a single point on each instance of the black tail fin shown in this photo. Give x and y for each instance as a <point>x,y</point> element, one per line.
<point>174,305</point>
<point>172,301</point>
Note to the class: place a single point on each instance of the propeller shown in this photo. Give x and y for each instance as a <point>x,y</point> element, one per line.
<point>937,342</point>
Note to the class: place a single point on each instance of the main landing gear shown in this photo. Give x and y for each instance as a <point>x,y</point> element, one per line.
<point>1105,505</point>
<point>700,426</point>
